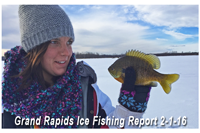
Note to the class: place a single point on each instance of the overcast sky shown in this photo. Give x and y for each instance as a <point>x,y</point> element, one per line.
<point>109,29</point>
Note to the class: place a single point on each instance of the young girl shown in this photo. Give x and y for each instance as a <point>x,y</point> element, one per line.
<point>44,87</point>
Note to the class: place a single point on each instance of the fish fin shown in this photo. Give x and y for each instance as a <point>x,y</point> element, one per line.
<point>167,81</point>
<point>135,53</point>
<point>153,84</point>
<point>120,80</point>
<point>152,59</point>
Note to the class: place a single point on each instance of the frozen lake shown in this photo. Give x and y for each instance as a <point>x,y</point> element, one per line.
<point>183,100</point>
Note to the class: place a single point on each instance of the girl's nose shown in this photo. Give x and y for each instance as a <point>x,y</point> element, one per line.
<point>65,50</point>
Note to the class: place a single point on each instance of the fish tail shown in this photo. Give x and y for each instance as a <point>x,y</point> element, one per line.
<point>167,81</point>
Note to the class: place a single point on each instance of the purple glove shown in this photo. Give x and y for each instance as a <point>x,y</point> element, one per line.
<point>133,97</point>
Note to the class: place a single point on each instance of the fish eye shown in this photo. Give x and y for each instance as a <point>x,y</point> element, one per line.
<point>111,69</point>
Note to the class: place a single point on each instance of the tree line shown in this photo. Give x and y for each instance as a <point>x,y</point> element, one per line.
<point>97,55</point>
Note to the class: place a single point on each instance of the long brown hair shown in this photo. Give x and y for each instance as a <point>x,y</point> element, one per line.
<point>33,69</point>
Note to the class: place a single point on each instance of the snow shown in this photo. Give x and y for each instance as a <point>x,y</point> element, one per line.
<point>182,101</point>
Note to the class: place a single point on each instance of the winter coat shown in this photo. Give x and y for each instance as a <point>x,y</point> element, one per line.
<point>95,104</point>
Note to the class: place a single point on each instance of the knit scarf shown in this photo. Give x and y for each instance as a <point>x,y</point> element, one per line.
<point>62,100</point>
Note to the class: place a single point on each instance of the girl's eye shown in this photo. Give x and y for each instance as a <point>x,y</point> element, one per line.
<point>69,42</point>
<point>54,42</point>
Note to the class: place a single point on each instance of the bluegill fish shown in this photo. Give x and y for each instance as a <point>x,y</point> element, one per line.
<point>144,66</point>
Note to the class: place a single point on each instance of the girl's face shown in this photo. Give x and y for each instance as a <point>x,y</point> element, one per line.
<point>56,58</point>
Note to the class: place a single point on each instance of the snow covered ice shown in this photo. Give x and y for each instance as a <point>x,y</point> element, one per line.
<point>181,101</point>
